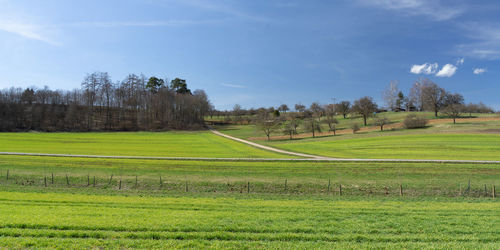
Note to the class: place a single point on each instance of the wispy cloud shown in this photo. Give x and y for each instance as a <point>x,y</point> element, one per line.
<point>28,31</point>
<point>479,71</point>
<point>116,24</point>
<point>222,7</point>
<point>433,9</point>
<point>426,68</point>
<point>485,41</point>
<point>448,70</point>
<point>460,61</point>
<point>230,85</point>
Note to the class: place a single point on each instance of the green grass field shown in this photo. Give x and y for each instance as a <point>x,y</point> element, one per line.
<point>81,203</point>
<point>164,144</point>
<point>423,146</point>
<point>90,221</point>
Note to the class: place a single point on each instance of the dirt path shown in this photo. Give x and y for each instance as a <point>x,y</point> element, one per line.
<point>266,147</point>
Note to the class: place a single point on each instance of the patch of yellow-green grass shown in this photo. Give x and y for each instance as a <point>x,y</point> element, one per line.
<point>162,144</point>
<point>414,146</point>
<point>92,221</point>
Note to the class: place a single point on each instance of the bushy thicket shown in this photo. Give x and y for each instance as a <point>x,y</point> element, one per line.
<point>414,121</point>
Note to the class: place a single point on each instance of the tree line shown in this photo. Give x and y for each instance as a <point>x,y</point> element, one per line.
<point>135,103</point>
<point>424,95</point>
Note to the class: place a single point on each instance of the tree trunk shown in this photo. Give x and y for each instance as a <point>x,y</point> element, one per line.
<point>435,113</point>
<point>364,119</point>
<point>454,120</point>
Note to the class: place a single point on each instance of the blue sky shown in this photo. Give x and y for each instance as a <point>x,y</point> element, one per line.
<point>257,53</point>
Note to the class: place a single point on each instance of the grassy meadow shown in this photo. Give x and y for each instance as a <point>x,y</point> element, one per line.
<point>81,203</point>
<point>162,144</point>
<point>90,221</point>
<point>468,139</point>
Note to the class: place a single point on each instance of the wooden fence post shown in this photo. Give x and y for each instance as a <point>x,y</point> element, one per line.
<point>136,181</point>
<point>161,182</point>
<point>67,180</point>
<point>460,190</point>
<point>110,179</point>
<point>120,185</point>
<point>248,187</point>
<point>400,189</point>
<point>494,193</point>
<point>187,188</point>
<point>286,180</point>
<point>88,180</point>
<point>340,189</point>
<point>7,174</point>
<point>45,181</point>
<point>52,180</point>
<point>94,181</point>
<point>329,182</point>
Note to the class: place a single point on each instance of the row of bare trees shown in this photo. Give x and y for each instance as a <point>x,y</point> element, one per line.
<point>135,103</point>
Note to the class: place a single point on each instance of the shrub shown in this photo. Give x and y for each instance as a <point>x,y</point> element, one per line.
<point>414,121</point>
<point>354,127</point>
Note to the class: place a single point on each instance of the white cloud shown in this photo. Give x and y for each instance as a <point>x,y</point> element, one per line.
<point>233,85</point>
<point>426,68</point>
<point>460,61</point>
<point>448,70</point>
<point>430,8</point>
<point>479,71</point>
<point>28,31</point>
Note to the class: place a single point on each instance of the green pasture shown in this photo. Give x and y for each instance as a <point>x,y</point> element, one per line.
<point>252,131</point>
<point>59,220</point>
<point>232,177</point>
<point>415,146</point>
<point>163,144</point>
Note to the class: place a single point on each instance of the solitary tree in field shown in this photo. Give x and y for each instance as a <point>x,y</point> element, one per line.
<point>365,107</point>
<point>344,108</point>
<point>454,105</point>
<point>290,126</point>
<point>433,96</point>
<point>330,118</point>
<point>267,123</point>
<point>381,121</point>
<point>312,125</point>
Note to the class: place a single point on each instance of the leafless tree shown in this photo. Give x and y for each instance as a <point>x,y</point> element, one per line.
<point>454,105</point>
<point>390,95</point>
<point>344,108</point>
<point>365,106</point>
<point>433,96</point>
<point>267,123</point>
<point>381,121</point>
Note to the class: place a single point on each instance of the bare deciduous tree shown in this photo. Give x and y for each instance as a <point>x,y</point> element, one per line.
<point>344,108</point>
<point>433,96</point>
<point>381,121</point>
<point>365,106</point>
<point>390,95</point>
<point>454,105</point>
